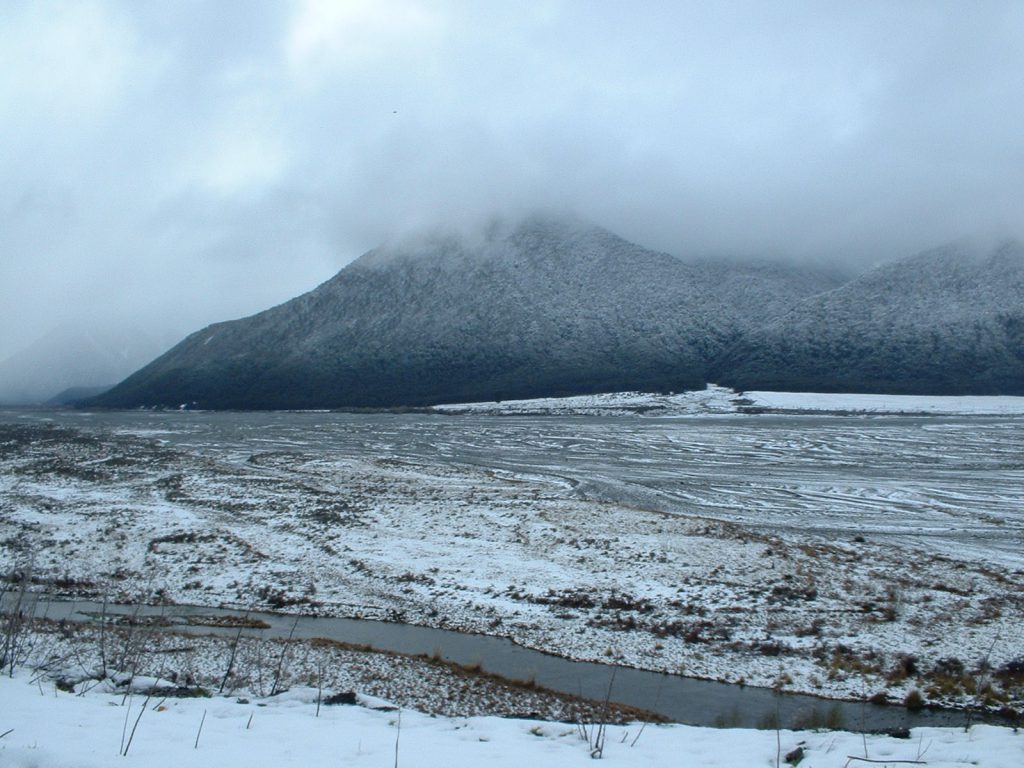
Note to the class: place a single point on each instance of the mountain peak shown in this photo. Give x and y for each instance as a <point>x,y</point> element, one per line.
<point>550,305</point>
<point>457,245</point>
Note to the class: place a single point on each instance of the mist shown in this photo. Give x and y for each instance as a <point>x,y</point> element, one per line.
<point>168,165</point>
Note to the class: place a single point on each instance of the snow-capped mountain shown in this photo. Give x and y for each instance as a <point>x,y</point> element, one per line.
<point>556,306</point>
<point>947,321</point>
<point>547,306</point>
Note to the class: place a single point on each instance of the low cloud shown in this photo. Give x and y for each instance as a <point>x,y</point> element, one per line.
<point>171,165</point>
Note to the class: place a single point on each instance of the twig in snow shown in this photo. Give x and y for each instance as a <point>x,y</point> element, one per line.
<point>979,684</point>
<point>124,728</point>
<point>657,698</point>
<point>199,732</point>
<point>145,704</point>
<point>280,661</point>
<point>231,658</point>
<point>922,752</point>
<point>103,635</point>
<point>398,735</point>
<point>597,746</point>
<point>131,736</point>
<point>319,685</point>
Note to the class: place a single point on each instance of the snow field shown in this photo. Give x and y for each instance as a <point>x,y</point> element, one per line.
<point>47,728</point>
<point>384,518</point>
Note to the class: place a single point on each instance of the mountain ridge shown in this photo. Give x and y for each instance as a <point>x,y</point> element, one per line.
<point>945,321</point>
<point>553,306</point>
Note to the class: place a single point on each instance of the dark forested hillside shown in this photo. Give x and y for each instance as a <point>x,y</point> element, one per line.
<point>556,306</point>
<point>948,321</point>
<point>545,307</point>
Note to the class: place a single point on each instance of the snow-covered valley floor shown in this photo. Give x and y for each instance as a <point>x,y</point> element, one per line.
<point>843,557</point>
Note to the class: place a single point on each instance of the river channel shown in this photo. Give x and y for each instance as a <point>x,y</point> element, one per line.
<point>679,699</point>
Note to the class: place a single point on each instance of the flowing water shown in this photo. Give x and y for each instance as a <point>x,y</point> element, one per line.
<point>680,699</point>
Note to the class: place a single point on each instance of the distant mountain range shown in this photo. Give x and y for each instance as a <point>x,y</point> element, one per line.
<point>555,306</point>
<point>69,363</point>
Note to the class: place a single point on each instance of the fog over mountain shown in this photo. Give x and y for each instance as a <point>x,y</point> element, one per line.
<point>538,307</point>
<point>171,165</point>
<point>81,359</point>
<point>549,306</point>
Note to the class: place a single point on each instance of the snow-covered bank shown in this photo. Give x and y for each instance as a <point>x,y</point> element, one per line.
<point>715,400</point>
<point>45,727</point>
<point>244,661</point>
<point>802,402</point>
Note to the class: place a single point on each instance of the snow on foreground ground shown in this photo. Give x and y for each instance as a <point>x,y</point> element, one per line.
<point>45,727</point>
<point>316,516</point>
<point>715,400</point>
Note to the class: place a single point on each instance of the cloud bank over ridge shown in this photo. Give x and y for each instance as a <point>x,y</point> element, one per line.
<point>174,164</point>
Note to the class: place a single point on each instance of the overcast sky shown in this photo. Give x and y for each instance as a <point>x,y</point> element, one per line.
<point>170,164</point>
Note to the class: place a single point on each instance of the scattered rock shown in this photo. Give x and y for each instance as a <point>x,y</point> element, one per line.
<point>345,697</point>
